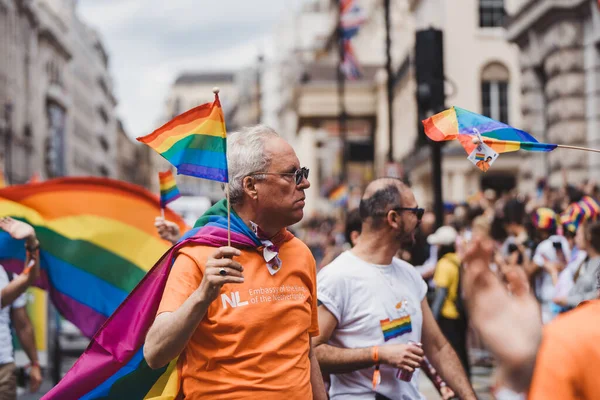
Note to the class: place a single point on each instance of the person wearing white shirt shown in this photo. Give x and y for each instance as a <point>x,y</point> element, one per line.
<point>374,319</point>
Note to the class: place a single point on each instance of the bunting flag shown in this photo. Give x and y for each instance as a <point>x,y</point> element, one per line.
<point>351,18</point>
<point>97,241</point>
<point>457,123</point>
<point>113,365</point>
<point>168,188</point>
<point>350,66</point>
<point>194,142</point>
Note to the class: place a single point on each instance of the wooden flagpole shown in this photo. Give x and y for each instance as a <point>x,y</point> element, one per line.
<point>216,91</point>
<point>561,146</point>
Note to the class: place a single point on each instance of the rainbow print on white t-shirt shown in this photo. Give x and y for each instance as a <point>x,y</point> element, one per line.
<point>394,328</point>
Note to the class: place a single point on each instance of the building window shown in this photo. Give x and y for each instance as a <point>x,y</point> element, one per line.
<point>491,13</point>
<point>494,92</point>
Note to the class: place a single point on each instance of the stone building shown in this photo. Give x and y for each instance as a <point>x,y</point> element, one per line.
<point>134,160</point>
<point>559,42</point>
<point>58,109</point>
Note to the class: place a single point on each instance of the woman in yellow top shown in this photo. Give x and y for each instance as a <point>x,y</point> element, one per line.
<point>447,306</point>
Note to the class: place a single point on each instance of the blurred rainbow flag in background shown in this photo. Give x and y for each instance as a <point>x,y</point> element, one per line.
<point>97,241</point>
<point>339,195</point>
<point>195,142</point>
<point>168,188</point>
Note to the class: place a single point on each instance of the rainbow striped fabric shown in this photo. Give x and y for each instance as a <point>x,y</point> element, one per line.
<point>544,218</point>
<point>97,241</point>
<point>339,195</point>
<point>168,188</point>
<point>458,123</point>
<point>394,328</point>
<point>587,209</point>
<point>194,142</point>
<point>113,366</point>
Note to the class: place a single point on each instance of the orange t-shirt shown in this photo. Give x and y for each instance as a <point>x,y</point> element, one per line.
<point>254,340</point>
<point>568,362</point>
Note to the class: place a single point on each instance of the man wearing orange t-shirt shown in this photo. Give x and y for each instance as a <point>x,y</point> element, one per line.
<point>242,325</point>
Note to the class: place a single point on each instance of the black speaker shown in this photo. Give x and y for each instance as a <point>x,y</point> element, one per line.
<point>429,69</point>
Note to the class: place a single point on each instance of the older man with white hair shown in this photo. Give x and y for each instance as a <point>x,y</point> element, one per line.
<point>255,340</point>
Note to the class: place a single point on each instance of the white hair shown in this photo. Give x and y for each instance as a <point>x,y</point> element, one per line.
<point>246,155</point>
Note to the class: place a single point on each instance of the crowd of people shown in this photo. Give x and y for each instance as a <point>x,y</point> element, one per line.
<point>358,309</point>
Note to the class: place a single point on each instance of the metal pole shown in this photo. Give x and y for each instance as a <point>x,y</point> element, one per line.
<point>390,79</point>
<point>8,142</point>
<point>341,80</point>
<point>258,89</point>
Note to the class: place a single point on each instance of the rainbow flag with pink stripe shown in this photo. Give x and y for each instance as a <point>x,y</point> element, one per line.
<point>195,142</point>
<point>458,123</point>
<point>397,327</point>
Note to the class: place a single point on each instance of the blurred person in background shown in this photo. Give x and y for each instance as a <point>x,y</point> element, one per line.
<point>584,276</point>
<point>549,259</point>
<point>13,311</point>
<point>373,313</point>
<point>447,307</point>
<point>561,364</point>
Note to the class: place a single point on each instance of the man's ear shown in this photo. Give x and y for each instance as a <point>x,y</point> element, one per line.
<point>393,219</point>
<point>249,187</point>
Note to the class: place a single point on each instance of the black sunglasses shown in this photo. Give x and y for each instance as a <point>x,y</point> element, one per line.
<point>416,210</point>
<point>298,174</point>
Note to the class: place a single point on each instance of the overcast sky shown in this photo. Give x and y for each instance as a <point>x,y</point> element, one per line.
<point>151,41</point>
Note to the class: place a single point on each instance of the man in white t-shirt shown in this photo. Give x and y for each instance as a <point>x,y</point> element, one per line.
<point>12,310</point>
<point>372,305</point>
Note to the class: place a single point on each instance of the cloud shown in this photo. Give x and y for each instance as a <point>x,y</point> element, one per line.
<point>151,41</point>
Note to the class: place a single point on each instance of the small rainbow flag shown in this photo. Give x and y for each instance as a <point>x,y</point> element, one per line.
<point>195,142</point>
<point>480,156</point>
<point>396,327</point>
<point>168,188</point>
<point>339,195</point>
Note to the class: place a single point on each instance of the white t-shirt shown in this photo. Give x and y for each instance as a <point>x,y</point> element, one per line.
<point>6,348</point>
<point>368,300</point>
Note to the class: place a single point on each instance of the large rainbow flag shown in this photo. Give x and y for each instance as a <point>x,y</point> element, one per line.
<point>194,142</point>
<point>458,123</point>
<point>97,241</point>
<point>113,365</point>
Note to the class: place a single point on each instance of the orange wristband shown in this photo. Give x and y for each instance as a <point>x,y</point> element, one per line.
<point>376,374</point>
<point>375,354</point>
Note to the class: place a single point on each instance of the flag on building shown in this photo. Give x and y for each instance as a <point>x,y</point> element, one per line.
<point>194,142</point>
<point>351,18</point>
<point>168,188</point>
<point>350,66</point>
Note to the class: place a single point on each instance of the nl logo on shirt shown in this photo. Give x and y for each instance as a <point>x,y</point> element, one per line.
<point>396,327</point>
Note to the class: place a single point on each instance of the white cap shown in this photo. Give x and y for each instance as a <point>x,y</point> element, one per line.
<point>444,236</point>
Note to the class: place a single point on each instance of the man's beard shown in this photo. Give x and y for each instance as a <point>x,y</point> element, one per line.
<point>407,239</point>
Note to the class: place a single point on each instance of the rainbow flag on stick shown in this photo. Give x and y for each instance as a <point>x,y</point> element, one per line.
<point>458,123</point>
<point>194,142</point>
<point>97,241</point>
<point>168,188</point>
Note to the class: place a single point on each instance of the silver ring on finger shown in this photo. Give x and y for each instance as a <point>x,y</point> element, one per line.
<point>222,272</point>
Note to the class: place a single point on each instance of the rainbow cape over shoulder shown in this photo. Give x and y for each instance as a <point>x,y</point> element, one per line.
<point>113,365</point>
